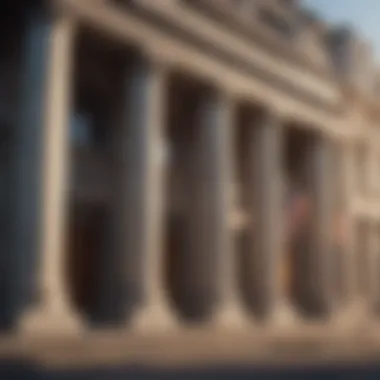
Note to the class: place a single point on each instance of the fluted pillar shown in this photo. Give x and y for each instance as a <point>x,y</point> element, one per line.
<point>27,164</point>
<point>221,155</point>
<point>322,223</point>
<point>53,311</point>
<point>145,191</point>
<point>266,187</point>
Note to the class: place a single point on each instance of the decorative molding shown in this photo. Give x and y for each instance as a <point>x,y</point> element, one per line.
<point>175,31</point>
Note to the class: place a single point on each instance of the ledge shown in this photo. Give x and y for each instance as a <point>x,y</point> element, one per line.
<point>196,347</point>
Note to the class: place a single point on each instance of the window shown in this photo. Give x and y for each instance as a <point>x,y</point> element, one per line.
<point>339,43</point>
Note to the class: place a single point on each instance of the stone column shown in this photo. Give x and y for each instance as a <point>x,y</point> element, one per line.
<point>27,159</point>
<point>322,222</point>
<point>267,210</point>
<point>54,312</point>
<point>220,155</point>
<point>145,207</point>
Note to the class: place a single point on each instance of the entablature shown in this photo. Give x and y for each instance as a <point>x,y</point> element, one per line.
<point>182,21</point>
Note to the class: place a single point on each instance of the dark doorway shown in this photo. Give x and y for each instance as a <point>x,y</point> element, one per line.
<point>87,242</point>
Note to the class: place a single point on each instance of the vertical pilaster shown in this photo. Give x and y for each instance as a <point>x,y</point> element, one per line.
<point>54,312</point>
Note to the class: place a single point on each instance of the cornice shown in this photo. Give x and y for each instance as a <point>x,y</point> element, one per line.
<point>174,30</point>
<point>276,45</point>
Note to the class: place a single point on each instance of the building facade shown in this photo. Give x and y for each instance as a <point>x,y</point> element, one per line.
<point>177,163</point>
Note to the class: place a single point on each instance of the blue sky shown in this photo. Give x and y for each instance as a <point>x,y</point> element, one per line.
<point>363,14</point>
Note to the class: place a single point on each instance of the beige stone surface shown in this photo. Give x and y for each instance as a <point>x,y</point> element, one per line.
<point>166,34</point>
<point>196,347</point>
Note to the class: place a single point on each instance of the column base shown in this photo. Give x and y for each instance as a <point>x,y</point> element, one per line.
<point>284,315</point>
<point>154,318</point>
<point>231,317</point>
<point>43,321</point>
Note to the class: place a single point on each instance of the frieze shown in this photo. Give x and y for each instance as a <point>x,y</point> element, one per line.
<point>247,25</point>
<point>301,84</point>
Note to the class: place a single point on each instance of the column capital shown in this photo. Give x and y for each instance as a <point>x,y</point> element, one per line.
<point>156,58</point>
<point>272,116</point>
<point>227,97</point>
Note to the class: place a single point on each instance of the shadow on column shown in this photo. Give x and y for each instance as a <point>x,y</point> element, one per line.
<point>21,71</point>
<point>251,273</point>
<point>9,59</point>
